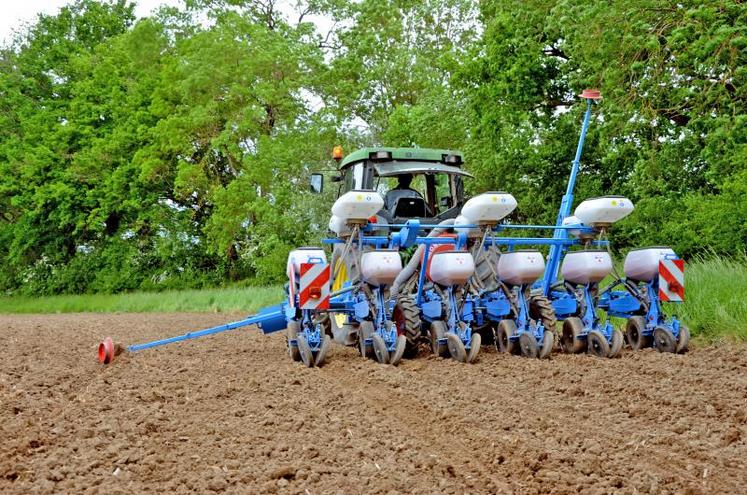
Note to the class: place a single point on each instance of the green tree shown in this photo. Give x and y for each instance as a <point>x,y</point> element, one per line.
<point>670,132</point>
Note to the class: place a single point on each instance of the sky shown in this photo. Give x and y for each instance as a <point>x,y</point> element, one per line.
<point>15,13</point>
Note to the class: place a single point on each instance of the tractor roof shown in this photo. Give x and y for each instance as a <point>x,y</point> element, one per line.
<point>404,154</point>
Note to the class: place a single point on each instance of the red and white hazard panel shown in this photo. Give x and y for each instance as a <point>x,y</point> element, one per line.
<point>672,280</point>
<point>291,286</point>
<point>313,292</point>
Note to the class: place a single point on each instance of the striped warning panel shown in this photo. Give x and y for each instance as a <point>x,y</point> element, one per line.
<point>672,280</point>
<point>313,292</point>
<point>291,286</point>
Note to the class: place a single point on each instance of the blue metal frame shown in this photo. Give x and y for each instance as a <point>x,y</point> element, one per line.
<point>630,302</point>
<point>269,320</point>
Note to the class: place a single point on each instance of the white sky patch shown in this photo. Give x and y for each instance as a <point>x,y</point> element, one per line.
<point>19,14</point>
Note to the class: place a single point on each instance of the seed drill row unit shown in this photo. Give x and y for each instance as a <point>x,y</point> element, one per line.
<point>465,283</point>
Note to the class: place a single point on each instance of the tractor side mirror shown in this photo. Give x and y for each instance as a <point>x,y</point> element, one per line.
<point>338,178</point>
<point>316,181</point>
<point>445,202</point>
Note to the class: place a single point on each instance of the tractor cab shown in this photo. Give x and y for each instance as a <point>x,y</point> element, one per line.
<point>416,183</point>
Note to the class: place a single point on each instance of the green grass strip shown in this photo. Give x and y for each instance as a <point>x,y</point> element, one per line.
<point>246,299</point>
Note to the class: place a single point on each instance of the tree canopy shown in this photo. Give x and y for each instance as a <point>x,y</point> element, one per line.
<point>174,150</point>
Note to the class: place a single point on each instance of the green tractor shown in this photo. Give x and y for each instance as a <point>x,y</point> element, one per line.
<point>416,184</point>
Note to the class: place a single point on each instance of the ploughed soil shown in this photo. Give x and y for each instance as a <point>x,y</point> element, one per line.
<point>232,413</point>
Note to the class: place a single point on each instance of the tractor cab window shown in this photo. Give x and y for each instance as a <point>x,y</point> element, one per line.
<point>404,195</point>
<point>416,195</point>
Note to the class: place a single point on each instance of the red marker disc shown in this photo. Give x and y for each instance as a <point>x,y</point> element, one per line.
<point>591,94</point>
<point>106,351</point>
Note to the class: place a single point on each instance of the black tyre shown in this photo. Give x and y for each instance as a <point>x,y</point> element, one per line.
<point>321,354</point>
<point>486,262</point>
<point>406,316</point>
<point>664,341</point>
<point>548,342</point>
<point>474,348</point>
<point>306,355</point>
<point>634,333</point>
<point>399,350</point>
<point>573,327</point>
<point>528,343</point>
<point>683,340</point>
<point>291,333</point>
<point>438,332</point>
<point>379,346</point>
<point>597,345</point>
<point>617,343</point>
<point>456,347</point>
<point>542,311</point>
<point>365,331</point>
<point>503,341</point>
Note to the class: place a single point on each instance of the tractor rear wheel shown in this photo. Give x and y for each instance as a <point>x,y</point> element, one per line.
<point>406,317</point>
<point>486,262</point>
<point>634,332</point>
<point>541,310</point>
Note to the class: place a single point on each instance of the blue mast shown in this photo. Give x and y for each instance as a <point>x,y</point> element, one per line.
<point>557,250</point>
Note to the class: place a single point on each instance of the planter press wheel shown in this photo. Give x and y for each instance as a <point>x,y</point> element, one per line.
<point>503,342</point>
<point>634,332</point>
<point>365,331</point>
<point>474,348</point>
<point>456,347</point>
<point>379,348</point>
<point>596,344</point>
<point>548,341</point>
<point>664,341</point>
<point>305,351</point>
<point>291,333</point>
<point>617,344</point>
<point>399,350</point>
<point>528,344</point>
<point>321,354</point>
<point>436,332</point>
<point>683,340</point>
<point>573,327</point>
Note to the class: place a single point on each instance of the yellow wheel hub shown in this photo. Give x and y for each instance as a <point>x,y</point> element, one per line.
<point>341,271</point>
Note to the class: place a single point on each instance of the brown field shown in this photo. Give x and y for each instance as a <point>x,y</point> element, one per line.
<point>232,413</point>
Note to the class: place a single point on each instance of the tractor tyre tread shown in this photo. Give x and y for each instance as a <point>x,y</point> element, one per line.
<point>409,324</point>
